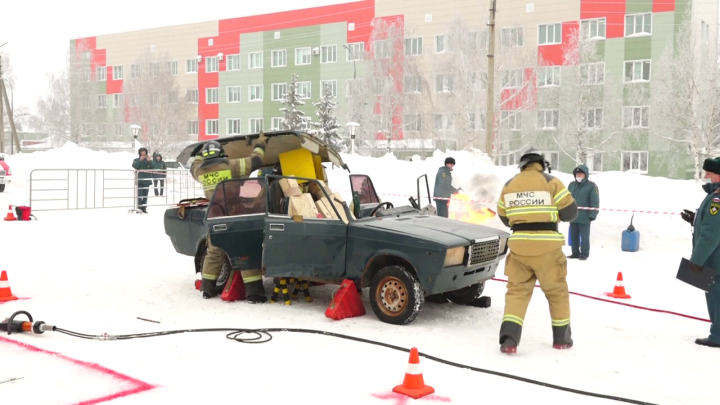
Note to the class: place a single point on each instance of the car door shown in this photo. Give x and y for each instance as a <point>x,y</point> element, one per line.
<point>304,247</point>
<point>363,192</point>
<point>236,221</point>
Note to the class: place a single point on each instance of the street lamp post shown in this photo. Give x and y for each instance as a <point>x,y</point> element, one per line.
<point>135,128</point>
<point>352,129</point>
<point>12,108</point>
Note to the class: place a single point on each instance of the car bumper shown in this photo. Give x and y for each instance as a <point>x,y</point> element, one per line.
<point>457,277</point>
<point>5,180</point>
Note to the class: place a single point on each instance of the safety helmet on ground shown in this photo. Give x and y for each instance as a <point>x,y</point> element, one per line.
<point>212,150</point>
<point>532,155</point>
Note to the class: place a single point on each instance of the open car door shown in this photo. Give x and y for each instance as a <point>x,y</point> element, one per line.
<point>428,209</point>
<point>236,221</point>
<point>364,196</point>
<point>304,246</point>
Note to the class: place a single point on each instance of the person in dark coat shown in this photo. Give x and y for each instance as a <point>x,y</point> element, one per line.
<point>586,194</point>
<point>143,164</point>
<point>706,245</point>
<point>160,174</point>
<point>444,187</point>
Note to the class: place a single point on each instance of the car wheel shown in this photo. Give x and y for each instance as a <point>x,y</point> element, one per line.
<point>396,296</point>
<point>224,271</point>
<point>2,188</point>
<point>466,295</point>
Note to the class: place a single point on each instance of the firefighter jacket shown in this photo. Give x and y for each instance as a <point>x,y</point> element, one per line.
<point>706,230</point>
<point>532,203</point>
<point>212,171</point>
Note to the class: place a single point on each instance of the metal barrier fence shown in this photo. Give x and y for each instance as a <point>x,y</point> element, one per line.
<point>73,189</point>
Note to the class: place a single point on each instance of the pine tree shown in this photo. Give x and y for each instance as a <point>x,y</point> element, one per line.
<point>294,119</point>
<point>326,127</point>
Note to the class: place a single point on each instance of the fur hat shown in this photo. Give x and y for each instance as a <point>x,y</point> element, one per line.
<point>712,165</point>
<point>449,160</point>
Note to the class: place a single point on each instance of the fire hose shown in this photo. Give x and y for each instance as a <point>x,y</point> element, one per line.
<point>11,325</point>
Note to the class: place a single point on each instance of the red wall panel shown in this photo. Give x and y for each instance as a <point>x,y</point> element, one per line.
<point>553,55</point>
<point>661,6</point>
<point>612,10</point>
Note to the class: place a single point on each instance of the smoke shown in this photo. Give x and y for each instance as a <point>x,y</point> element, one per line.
<point>483,187</point>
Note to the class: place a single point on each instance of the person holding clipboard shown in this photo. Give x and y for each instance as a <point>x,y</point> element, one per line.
<point>701,270</point>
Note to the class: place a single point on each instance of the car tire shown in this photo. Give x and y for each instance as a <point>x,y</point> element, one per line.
<point>396,296</point>
<point>224,272</point>
<point>465,296</point>
<point>2,188</point>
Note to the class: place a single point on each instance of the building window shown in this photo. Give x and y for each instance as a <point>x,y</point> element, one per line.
<point>592,118</point>
<point>233,126</point>
<point>413,84</point>
<point>233,94</point>
<point>155,98</point>
<point>705,31</point>
<point>442,43</point>
<point>303,56</point>
<point>332,84</point>
<point>85,129</point>
<point>279,58</point>
<point>328,54</point>
<point>304,89</point>
<point>512,78</point>
<point>549,76</point>
<point>443,121</point>
<point>594,162</point>
<point>381,49</point>
<point>592,29</point>
<point>479,79</point>
<point>553,158</point>
<point>635,161</point>
<point>117,72</point>
<point>134,100</point>
<point>276,123</point>
<point>211,96</point>
<point>118,100</point>
<point>478,41</point>
<point>511,120</point>
<point>279,90</point>
<point>255,60</point>
<point>173,67</point>
<point>637,71</point>
<point>102,101</point>
<point>255,92</point>
<point>413,46</point>
<point>592,73</point>
<point>256,125</point>
<point>636,117</point>
<point>119,129</point>
<point>508,159</point>
<point>193,128</point>
<point>413,122</point>
<point>233,63</point>
<point>638,24</point>
<point>86,75</point>
<point>102,74</point>
<point>191,66</point>
<point>550,34</point>
<point>443,83</point>
<point>476,124</point>
<point>548,119</point>
<point>212,64</point>
<point>101,130</point>
<point>192,96</point>
<point>86,55</point>
<point>212,127</point>
<point>134,71</point>
<point>155,69</point>
<point>511,37</point>
<point>356,51</point>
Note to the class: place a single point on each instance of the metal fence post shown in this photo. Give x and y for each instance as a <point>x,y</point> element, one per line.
<point>135,194</point>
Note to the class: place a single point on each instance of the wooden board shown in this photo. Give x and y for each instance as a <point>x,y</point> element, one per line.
<point>316,191</point>
<point>337,201</point>
<point>303,205</point>
<point>290,187</point>
<point>324,209</point>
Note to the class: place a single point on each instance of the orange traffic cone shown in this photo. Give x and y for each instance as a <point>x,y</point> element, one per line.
<point>414,384</point>
<point>10,216</point>
<point>619,290</point>
<point>5,291</point>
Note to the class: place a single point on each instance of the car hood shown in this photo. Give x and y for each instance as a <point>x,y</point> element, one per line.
<point>442,230</point>
<point>241,146</point>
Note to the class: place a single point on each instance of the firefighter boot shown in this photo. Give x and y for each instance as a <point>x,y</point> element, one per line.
<point>562,337</point>
<point>255,292</point>
<point>510,333</point>
<point>210,288</point>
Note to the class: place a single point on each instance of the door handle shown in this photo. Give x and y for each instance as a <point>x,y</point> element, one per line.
<point>220,227</point>
<point>277,227</point>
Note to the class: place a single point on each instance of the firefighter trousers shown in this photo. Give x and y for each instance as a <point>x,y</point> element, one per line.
<point>550,270</point>
<point>214,261</point>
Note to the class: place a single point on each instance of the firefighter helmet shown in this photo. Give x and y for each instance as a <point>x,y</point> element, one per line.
<point>212,150</point>
<point>532,155</point>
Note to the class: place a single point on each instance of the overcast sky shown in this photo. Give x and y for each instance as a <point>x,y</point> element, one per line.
<point>38,31</point>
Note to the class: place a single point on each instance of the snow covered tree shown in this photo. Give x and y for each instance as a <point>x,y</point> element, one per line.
<point>326,127</point>
<point>294,119</point>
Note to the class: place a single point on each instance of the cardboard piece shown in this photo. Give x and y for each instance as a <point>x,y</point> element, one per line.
<point>337,200</point>
<point>302,205</point>
<point>316,191</point>
<point>290,187</point>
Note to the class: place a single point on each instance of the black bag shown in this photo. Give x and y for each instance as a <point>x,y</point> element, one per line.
<point>703,280</point>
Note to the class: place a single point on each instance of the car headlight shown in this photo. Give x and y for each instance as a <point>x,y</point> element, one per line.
<point>455,256</point>
<point>503,245</point>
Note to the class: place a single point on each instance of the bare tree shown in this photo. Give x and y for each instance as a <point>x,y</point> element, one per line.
<point>152,99</point>
<point>686,95</point>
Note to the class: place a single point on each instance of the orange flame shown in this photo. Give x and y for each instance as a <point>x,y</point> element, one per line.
<point>461,208</point>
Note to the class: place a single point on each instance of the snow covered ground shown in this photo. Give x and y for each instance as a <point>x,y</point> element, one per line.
<point>96,271</point>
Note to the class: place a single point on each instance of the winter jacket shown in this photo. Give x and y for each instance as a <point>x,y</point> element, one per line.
<point>706,231</point>
<point>443,183</point>
<point>145,176</point>
<point>160,166</point>
<point>586,194</point>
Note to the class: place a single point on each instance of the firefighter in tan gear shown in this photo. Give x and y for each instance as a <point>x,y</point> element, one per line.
<point>210,168</point>
<point>531,204</point>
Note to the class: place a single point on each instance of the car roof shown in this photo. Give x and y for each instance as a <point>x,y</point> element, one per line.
<point>241,146</point>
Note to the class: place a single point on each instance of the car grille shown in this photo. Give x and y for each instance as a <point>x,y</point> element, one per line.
<point>484,252</point>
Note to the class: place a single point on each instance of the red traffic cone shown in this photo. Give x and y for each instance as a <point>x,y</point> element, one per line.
<point>10,216</point>
<point>619,290</point>
<point>234,288</point>
<point>346,303</point>
<point>414,384</point>
<point>5,291</point>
